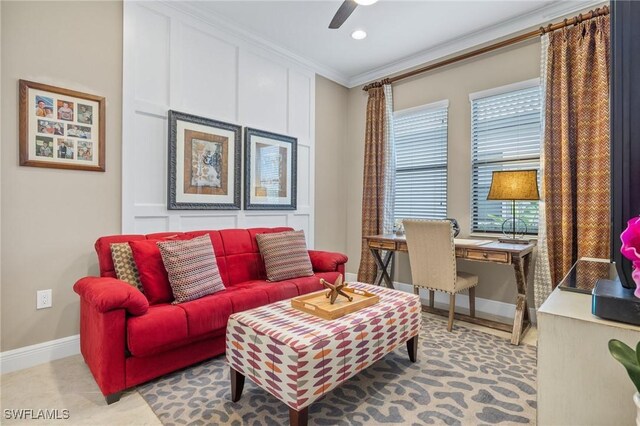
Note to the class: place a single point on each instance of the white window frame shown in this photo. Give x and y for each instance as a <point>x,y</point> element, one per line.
<point>425,108</point>
<point>521,85</point>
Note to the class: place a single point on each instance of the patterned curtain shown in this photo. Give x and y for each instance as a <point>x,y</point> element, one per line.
<point>542,284</point>
<point>390,164</point>
<point>576,151</point>
<point>373,194</point>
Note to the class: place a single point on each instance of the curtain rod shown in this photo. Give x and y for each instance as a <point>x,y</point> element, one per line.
<point>517,39</point>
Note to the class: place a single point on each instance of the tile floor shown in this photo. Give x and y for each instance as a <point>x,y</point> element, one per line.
<point>67,384</point>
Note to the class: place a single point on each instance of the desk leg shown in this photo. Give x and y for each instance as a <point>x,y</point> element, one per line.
<point>521,321</point>
<point>385,267</point>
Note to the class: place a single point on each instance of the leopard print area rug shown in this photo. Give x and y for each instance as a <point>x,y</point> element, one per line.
<point>466,377</point>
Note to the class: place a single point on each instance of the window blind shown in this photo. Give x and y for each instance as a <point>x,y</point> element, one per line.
<point>420,136</point>
<point>506,133</point>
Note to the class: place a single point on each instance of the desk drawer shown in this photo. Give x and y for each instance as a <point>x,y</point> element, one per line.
<point>490,256</point>
<point>384,245</point>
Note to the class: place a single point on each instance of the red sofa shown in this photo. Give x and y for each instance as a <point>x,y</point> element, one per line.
<point>125,341</point>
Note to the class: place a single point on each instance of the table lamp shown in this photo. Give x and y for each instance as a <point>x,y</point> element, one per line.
<point>514,185</point>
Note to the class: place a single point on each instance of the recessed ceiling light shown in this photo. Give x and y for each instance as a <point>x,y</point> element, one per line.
<point>365,2</point>
<point>358,35</point>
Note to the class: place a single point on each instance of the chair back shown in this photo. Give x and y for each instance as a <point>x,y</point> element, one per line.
<point>431,253</point>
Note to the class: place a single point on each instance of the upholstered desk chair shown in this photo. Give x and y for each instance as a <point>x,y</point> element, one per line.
<point>432,255</point>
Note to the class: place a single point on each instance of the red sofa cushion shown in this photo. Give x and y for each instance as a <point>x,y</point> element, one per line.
<point>162,327</point>
<point>153,274</point>
<point>247,298</point>
<point>244,261</point>
<point>208,313</point>
<point>211,313</point>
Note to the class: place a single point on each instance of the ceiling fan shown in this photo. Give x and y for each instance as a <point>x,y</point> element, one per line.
<point>345,10</point>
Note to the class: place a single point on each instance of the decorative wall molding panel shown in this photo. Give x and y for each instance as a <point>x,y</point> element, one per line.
<point>173,60</point>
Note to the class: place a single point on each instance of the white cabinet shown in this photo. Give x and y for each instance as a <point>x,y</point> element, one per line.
<point>579,383</point>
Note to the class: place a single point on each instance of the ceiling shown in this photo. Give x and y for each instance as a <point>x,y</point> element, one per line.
<point>401,34</point>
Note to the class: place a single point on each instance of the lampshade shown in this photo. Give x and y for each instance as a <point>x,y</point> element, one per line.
<point>514,185</point>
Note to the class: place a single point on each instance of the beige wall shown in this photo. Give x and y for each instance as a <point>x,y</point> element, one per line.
<point>454,83</point>
<point>331,139</point>
<point>50,218</point>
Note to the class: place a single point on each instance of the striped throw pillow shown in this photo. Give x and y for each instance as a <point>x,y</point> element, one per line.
<point>285,255</point>
<point>124,265</point>
<point>192,268</point>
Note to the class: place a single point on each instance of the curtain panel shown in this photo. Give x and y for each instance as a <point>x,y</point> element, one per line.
<point>576,146</point>
<point>373,194</point>
<point>390,163</point>
<point>542,284</point>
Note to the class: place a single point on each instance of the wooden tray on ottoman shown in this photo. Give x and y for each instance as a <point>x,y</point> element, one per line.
<point>318,303</point>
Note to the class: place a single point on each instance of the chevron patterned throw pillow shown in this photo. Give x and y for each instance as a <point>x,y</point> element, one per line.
<point>285,255</point>
<point>192,268</point>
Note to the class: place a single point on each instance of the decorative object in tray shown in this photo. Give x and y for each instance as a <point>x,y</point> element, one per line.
<point>336,289</point>
<point>319,305</point>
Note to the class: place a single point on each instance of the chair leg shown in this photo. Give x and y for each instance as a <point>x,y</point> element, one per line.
<point>416,290</point>
<point>472,302</point>
<point>452,305</point>
<point>432,295</point>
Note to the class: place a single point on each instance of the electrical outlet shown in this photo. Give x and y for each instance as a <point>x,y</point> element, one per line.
<point>43,299</point>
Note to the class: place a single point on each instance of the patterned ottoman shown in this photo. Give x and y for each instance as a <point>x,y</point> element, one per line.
<point>298,357</point>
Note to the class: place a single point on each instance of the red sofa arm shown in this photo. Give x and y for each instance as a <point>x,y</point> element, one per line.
<point>325,261</point>
<point>108,294</point>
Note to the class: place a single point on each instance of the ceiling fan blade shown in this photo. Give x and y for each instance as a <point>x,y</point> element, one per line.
<point>345,10</point>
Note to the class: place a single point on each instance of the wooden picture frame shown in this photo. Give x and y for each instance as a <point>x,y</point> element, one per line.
<point>270,170</point>
<point>204,163</point>
<point>61,128</point>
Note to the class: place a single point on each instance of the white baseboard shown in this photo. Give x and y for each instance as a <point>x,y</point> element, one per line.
<point>483,306</point>
<point>29,356</point>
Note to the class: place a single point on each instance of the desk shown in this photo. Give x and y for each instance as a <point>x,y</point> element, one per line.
<point>517,255</point>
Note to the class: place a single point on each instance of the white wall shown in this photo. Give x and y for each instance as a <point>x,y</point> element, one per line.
<point>173,60</point>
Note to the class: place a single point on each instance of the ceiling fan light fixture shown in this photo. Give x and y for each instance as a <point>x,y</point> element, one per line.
<point>359,34</point>
<point>365,2</point>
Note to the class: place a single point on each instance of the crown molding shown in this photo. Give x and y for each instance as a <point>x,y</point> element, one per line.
<point>196,11</point>
<point>526,21</point>
<point>468,41</point>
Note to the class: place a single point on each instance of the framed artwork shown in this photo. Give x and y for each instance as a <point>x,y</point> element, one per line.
<point>61,128</point>
<point>204,163</point>
<point>270,170</point>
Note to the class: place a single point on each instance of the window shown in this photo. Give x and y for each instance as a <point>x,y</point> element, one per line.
<point>505,135</point>
<point>420,136</point>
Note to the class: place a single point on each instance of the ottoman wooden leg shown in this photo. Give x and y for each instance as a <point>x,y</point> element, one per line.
<point>412,348</point>
<point>298,418</point>
<point>237,384</point>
